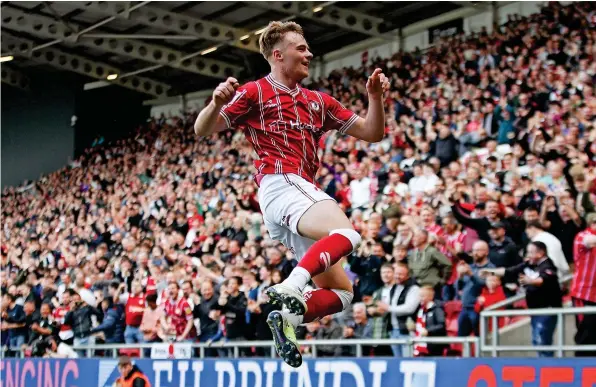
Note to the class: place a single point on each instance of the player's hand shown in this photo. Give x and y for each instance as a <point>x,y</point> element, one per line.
<point>225,91</point>
<point>377,84</point>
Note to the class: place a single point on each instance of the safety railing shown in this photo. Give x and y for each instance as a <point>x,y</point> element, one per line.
<point>235,346</point>
<point>520,296</point>
<point>558,347</point>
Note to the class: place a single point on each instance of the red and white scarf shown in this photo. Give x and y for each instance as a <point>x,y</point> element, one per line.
<point>421,349</point>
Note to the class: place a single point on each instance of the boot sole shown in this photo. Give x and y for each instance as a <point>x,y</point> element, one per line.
<point>293,304</point>
<point>286,349</point>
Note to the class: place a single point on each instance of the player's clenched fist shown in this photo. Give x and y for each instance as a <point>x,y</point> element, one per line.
<point>225,92</point>
<point>377,84</point>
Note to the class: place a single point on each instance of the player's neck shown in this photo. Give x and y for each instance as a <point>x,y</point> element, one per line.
<point>282,78</point>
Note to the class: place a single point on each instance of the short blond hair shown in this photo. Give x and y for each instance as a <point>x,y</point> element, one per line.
<point>274,33</point>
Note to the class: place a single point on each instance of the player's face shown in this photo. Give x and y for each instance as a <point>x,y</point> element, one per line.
<point>295,56</point>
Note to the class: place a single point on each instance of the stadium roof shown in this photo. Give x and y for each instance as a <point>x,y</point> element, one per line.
<point>171,48</point>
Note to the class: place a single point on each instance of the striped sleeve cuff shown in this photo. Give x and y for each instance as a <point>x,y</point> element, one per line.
<point>348,124</point>
<point>226,118</point>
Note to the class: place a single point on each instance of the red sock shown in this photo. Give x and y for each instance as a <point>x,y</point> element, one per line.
<point>325,253</point>
<point>321,303</point>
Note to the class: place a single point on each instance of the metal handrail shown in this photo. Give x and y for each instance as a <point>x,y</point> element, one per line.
<point>521,296</point>
<point>495,348</point>
<point>313,344</point>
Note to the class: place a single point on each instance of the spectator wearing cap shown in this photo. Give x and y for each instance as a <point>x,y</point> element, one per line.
<point>554,249</point>
<point>469,285</point>
<point>130,375</point>
<point>538,275</point>
<point>503,251</point>
<point>583,289</point>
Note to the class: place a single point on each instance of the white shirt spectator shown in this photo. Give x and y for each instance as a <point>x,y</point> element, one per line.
<point>360,190</point>
<point>554,251</point>
<point>400,189</point>
<point>422,183</point>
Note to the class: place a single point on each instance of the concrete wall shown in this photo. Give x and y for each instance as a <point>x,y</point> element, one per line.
<point>37,136</point>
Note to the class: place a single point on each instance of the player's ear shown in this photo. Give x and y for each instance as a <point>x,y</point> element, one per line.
<point>277,55</point>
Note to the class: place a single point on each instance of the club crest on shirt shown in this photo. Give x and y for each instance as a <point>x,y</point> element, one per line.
<point>314,105</point>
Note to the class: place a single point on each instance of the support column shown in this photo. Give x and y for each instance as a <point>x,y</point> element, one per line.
<point>495,15</point>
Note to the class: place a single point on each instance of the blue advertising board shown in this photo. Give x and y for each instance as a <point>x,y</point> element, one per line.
<point>369,372</point>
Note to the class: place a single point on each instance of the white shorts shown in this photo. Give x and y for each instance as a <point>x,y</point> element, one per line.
<point>284,198</point>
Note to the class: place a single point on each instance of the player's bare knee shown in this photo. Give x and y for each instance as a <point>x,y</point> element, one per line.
<point>345,296</point>
<point>349,233</point>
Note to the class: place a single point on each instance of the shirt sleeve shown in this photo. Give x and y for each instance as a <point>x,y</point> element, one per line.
<point>337,116</point>
<point>187,310</point>
<point>235,112</point>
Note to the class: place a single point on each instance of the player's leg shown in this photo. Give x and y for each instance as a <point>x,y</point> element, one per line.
<point>335,238</point>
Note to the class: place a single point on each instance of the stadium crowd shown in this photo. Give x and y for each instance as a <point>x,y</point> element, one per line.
<point>489,161</point>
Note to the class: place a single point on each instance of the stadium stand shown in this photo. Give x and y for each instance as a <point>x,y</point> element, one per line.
<point>486,134</point>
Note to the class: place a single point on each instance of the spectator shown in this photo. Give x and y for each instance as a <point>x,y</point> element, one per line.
<point>150,322</point>
<point>554,249</point>
<point>381,295</point>
<point>80,319</point>
<point>469,285</point>
<point>43,326</point>
<point>177,321</point>
<point>502,250</point>
<point>404,300</point>
<point>430,322</point>
<point>426,263</point>
<point>583,289</point>
<point>58,350</point>
<point>232,304</point>
<point>131,375</point>
<point>539,276</point>
<point>366,263</point>
<point>360,328</point>
<point>113,323</point>
<point>134,309</point>
<point>203,311</point>
<point>328,329</point>
<point>360,189</point>
<point>492,294</point>
<point>13,323</point>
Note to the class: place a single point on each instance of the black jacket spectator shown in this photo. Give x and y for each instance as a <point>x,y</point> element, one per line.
<point>79,318</point>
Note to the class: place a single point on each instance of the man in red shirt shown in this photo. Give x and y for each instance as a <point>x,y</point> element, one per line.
<point>284,123</point>
<point>177,319</point>
<point>133,311</point>
<point>65,333</point>
<point>583,289</point>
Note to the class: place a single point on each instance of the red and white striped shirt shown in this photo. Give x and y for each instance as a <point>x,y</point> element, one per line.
<point>179,313</point>
<point>584,278</point>
<point>284,126</point>
<point>451,241</point>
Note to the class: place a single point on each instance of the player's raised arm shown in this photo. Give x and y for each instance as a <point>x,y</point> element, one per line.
<point>210,120</point>
<point>372,128</point>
